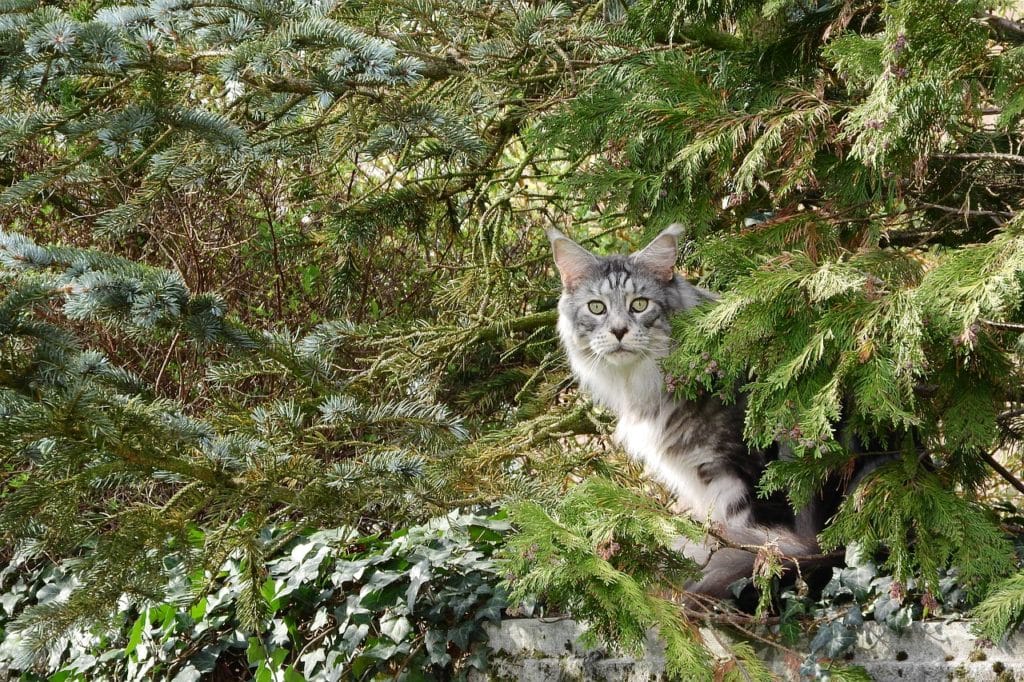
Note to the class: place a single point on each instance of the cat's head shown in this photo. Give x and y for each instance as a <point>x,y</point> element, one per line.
<point>615,309</point>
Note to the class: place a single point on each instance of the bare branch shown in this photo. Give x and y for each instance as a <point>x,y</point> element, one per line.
<point>1003,471</point>
<point>967,211</point>
<point>985,156</point>
<point>1007,29</point>
<point>1009,326</point>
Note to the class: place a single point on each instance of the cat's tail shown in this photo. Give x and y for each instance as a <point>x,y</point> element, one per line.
<point>735,552</point>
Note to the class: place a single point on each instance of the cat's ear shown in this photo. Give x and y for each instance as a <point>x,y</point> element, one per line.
<point>573,261</point>
<point>659,257</point>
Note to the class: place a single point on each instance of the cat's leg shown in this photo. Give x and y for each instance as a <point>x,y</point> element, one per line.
<point>733,554</point>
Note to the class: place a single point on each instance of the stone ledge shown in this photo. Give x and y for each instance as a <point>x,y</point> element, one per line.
<point>531,650</point>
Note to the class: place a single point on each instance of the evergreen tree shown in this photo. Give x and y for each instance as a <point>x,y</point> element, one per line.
<point>281,263</point>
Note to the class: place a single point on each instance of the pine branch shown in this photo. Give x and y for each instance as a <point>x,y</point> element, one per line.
<point>704,36</point>
<point>204,63</point>
<point>504,328</point>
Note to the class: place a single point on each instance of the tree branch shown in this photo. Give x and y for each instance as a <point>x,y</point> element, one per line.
<point>705,36</point>
<point>1003,471</point>
<point>985,156</point>
<point>1009,326</point>
<point>967,211</point>
<point>1007,29</point>
<point>527,323</point>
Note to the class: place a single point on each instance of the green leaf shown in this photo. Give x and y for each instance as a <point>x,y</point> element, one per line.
<point>277,658</point>
<point>199,610</point>
<point>436,642</point>
<point>271,593</point>
<point>255,652</point>
<point>361,664</point>
<point>135,636</point>
<point>460,635</point>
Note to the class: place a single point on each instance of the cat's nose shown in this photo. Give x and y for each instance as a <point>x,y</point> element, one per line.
<point>619,332</point>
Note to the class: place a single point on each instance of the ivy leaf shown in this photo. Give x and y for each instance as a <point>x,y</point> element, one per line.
<point>347,571</point>
<point>434,555</point>
<point>437,647</point>
<point>396,628</point>
<point>206,660</point>
<point>10,600</point>
<point>320,619</point>
<point>255,653</point>
<point>460,635</point>
<point>354,636</point>
<point>418,575</point>
<point>279,634</point>
<point>479,658</point>
<point>858,579</point>
<point>188,674</point>
<point>380,579</point>
<point>901,620</point>
<point>835,587</point>
<point>380,648</point>
<point>491,610</point>
<point>312,659</point>
<point>884,607</point>
<point>136,634</point>
<point>833,640</point>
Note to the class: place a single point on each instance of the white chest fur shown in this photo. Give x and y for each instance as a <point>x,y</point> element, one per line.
<point>635,393</point>
<point>645,439</point>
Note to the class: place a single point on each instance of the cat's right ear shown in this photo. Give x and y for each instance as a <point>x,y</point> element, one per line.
<point>659,257</point>
<point>573,261</point>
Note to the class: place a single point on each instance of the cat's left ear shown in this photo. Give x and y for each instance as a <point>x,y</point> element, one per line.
<point>659,257</point>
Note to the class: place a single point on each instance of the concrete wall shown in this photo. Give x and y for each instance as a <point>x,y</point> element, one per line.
<point>530,650</point>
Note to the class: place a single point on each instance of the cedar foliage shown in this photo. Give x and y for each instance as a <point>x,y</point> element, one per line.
<point>282,263</point>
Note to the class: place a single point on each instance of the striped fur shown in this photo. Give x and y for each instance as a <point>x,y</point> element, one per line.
<point>695,448</point>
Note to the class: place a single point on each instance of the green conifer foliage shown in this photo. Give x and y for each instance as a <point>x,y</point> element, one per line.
<point>280,264</point>
<point>607,550</point>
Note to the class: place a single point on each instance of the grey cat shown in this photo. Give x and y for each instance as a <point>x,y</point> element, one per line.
<point>614,322</point>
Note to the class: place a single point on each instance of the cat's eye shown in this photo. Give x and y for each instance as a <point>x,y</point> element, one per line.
<point>596,307</point>
<point>638,305</point>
